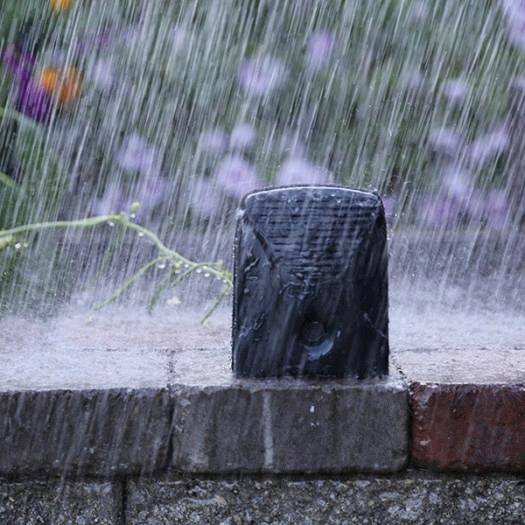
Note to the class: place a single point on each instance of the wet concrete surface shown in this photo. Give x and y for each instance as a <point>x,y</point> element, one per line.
<point>140,395</point>
<point>126,393</point>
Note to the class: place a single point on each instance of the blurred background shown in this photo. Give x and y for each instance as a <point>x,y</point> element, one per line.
<point>186,106</point>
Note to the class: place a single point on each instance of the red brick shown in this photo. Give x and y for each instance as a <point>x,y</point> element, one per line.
<point>470,428</point>
<point>468,409</point>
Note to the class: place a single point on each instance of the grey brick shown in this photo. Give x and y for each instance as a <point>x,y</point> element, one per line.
<point>291,426</point>
<point>85,432</point>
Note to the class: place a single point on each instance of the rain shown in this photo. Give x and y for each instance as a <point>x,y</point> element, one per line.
<point>130,133</point>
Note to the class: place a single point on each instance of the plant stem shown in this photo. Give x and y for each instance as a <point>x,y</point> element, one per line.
<point>216,304</point>
<point>80,223</point>
<point>165,254</point>
<point>7,181</point>
<point>128,283</point>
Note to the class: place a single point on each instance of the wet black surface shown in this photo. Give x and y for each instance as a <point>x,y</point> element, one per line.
<point>311,294</point>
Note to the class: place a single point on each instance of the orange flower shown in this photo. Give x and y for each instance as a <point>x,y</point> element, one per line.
<point>60,5</point>
<point>62,84</point>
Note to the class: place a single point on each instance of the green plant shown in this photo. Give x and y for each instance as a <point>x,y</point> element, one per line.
<point>180,267</point>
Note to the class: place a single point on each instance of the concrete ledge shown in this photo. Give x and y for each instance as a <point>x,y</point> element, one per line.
<point>147,399</point>
<point>184,411</point>
<point>413,498</point>
<point>60,503</point>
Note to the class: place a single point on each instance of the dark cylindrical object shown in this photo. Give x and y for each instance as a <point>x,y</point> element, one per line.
<point>310,290</point>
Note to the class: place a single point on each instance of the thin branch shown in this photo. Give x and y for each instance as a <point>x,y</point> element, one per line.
<point>80,223</point>
<point>216,304</point>
<point>165,254</point>
<point>156,294</point>
<point>128,283</point>
<point>6,180</point>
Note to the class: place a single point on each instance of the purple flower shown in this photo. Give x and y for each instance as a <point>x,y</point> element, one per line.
<point>213,141</point>
<point>455,89</point>
<point>203,198</point>
<point>414,80</point>
<point>457,183</point>
<point>319,50</point>
<point>446,140</point>
<point>136,154</point>
<point>102,74</point>
<point>260,76</point>
<point>180,39</point>
<point>439,211</point>
<point>114,200</point>
<point>488,145</point>
<point>242,137</point>
<point>496,208</point>
<point>475,205</point>
<point>31,99</point>
<point>236,176</point>
<point>149,192</point>
<point>295,170</point>
<point>492,206</point>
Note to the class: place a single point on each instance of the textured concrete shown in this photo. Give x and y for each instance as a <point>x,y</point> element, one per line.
<point>468,409</point>
<point>471,366</point>
<point>413,498</point>
<point>55,503</point>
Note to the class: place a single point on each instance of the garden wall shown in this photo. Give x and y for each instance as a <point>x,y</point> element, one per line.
<point>168,436</point>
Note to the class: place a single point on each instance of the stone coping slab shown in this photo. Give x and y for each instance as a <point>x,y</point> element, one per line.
<point>468,409</point>
<point>75,410</point>
<point>128,394</point>
<point>292,426</point>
